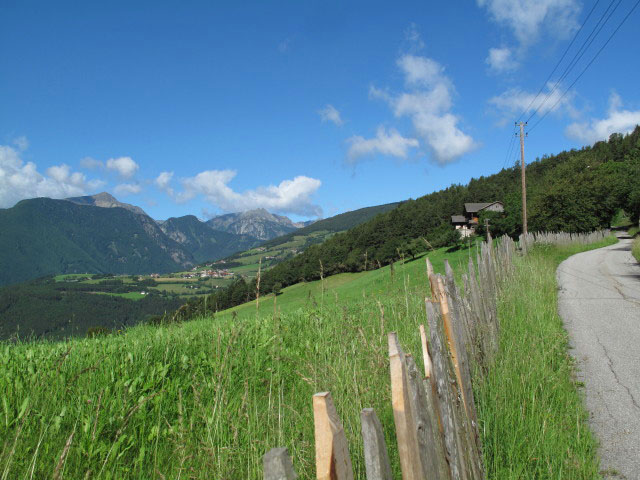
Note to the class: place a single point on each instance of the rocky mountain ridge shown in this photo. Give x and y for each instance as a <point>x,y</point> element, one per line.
<point>258,223</point>
<point>105,200</point>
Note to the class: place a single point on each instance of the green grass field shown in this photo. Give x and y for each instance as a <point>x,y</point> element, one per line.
<point>207,398</point>
<point>71,276</point>
<point>128,295</point>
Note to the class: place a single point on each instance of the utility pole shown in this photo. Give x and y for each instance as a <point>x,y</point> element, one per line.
<point>524,182</point>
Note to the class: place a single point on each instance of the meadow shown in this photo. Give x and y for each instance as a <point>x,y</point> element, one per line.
<point>207,398</point>
<point>247,263</point>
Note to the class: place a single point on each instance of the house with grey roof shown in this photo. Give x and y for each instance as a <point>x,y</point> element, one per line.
<point>468,222</point>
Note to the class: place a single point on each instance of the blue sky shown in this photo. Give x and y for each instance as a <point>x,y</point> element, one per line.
<point>305,108</point>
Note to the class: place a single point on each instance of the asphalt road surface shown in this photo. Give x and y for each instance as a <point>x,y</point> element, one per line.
<point>599,302</point>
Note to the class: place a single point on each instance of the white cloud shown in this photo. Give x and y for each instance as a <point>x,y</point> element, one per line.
<point>501,60</point>
<point>290,196</point>
<point>428,102</point>
<point>124,189</point>
<point>330,114</point>
<point>124,166</point>
<point>515,101</point>
<point>422,71</point>
<point>20,180</point>
<point>163,180</point>
<point>91,163</point>
<point>528,18</point>
<point>391,143</point>
<point>617,121</point>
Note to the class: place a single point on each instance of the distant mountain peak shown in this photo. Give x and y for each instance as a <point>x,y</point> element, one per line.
<point>105,200</point>
<point>258,223</point>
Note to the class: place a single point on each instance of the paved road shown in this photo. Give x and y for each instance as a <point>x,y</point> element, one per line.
<point>600,304</point>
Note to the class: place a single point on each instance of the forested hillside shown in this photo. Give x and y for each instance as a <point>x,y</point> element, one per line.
<point>202,241</point>
<point>58,309</point>
<point>338,223</point>
<point>573,191</point>
<point>42,236</point>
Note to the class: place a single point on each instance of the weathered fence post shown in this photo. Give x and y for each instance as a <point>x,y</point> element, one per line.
<point>426,424</point>
<point>402,415</point>
<point>277,465</point>
<point>376,458</point>
<point>332,452</point>
<point>426,357</point>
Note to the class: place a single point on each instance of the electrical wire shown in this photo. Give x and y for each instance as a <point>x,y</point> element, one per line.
<point>595,31</point>
<point>559,61</point>
<point>588,65</point>
<point>509,148</point>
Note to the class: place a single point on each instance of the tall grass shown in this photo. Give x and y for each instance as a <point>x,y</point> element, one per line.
<point>533,421</point>
<point>635,248</point>
<point>206,399</point>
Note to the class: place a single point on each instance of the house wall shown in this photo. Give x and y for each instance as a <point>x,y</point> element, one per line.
<point>464,230</point>
<point>496,207</point>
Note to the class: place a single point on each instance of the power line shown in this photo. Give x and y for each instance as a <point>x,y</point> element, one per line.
<point>559,61</point>
<point>595,31</point>
<point>509,148</point>
<point>588,64</point>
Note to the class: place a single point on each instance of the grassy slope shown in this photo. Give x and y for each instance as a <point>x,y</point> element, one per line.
<point>209,397</point>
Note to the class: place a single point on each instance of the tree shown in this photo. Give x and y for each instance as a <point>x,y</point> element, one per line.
<point>277,288</point>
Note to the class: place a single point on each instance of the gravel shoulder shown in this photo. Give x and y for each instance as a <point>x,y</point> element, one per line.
<point>599,302</point>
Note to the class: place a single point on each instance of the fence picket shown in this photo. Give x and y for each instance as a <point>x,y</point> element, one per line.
<point>376,458</point>
<point>426,425</point>
<point>332,452</point>
<point>277,465</point>
<point>402,413</point>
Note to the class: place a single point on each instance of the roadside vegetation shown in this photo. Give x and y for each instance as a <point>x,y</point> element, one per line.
<point>207,398</point>
<point>533,421</point>
<point>634,232</point>
<point>635,248</point>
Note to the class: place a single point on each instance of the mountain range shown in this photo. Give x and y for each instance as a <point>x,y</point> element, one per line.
<point>257,223</point>
<point>99,234</point>
<point>204,242</point>
<point>105,200</point>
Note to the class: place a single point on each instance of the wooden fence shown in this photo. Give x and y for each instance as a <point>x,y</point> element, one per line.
<point>562,238</point>
<point>434,411</point>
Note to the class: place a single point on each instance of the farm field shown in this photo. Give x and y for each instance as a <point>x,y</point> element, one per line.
<point>170,284</point>
<point>209,397</point>
<point>247,263</point>
<point>128,295</point>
